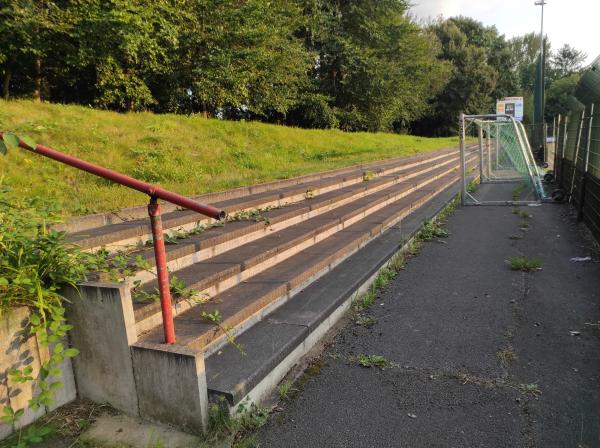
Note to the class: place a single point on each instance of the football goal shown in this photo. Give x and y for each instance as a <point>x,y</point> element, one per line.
<point>505,172</point>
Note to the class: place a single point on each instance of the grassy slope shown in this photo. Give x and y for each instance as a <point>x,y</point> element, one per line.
<point>189,155</point>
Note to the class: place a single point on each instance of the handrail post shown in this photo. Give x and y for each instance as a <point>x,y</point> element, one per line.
<point>463,174</point>
<point>162,272</point>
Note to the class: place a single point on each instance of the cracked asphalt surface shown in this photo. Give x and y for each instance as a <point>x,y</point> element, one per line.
<point>443,321</point>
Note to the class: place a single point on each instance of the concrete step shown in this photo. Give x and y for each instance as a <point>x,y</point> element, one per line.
<point>217,274</point>
<point>246,303</point>
<point>126,229</point>
<point>216,240</point>
<point>277,342</point>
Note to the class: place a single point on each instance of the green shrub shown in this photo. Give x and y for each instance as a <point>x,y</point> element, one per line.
<point>34,265</point>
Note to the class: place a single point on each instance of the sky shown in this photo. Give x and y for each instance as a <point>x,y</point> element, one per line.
<point>575,22</point>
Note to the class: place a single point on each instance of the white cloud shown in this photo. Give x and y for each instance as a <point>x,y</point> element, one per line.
<point>565,21</point>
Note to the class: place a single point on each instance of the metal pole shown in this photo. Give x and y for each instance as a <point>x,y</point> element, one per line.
<point>566,125</point>
<point>587,151</point>
<point>480,134</point>
<point>576,155</point>
<point>488,148</point>
<point>582,184</point>
<point>525,149</point>
<point>497,144</point>
<point>557,146</point>
<point>162,272</point>
<point>463,175</point>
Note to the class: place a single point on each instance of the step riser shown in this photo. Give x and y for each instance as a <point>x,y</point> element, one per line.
<point>224,284</point>
<point>128,243</point>
<point>212,251</point>
<point>238,328</point>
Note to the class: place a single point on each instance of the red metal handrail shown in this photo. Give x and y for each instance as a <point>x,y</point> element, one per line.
<point>155,192</point>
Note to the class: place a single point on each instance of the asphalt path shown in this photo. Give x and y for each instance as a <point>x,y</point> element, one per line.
<point>482,356</point>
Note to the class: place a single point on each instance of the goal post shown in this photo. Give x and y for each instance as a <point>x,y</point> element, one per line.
<point>505,172</point>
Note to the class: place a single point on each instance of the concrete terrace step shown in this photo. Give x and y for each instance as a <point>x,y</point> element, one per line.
<point>112,233</point>
<point>232,234</point>
<point>246,303</point>
<point>274,345</point>
<point>215,275</point>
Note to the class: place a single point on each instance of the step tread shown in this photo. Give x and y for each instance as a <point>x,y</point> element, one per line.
<point>136,227</point>
<point>235,229</point>
<point>322,222</point>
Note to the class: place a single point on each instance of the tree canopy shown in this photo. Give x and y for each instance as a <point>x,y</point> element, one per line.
<point>351,64</point>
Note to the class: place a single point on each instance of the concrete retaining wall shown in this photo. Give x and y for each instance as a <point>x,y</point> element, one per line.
<point>19,349</point>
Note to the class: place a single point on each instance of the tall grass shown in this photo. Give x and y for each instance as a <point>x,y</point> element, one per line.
<point>187,154</point>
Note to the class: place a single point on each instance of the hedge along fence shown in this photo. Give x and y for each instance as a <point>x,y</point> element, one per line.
<point>577,156</point>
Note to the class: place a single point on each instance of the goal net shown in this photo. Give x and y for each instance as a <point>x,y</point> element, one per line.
<point>504,170</point>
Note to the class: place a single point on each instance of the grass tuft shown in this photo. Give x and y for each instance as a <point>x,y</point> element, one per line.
<point>431,230</point>
<point>374,361</point>
<point>286,390</point>
<point>364,321</point>
<point>524,264</point>
<point>506,355</point>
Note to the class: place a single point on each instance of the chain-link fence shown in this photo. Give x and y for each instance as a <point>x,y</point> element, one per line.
<point>577,155</point>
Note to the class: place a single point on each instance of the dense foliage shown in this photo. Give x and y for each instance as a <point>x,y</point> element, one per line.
<point>34,264</point>
<point>349,64</point>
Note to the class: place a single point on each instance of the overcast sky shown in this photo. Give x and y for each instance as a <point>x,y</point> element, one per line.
<point>575,22</point>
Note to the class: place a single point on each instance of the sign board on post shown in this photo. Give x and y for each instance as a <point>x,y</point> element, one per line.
<point>511,105</point>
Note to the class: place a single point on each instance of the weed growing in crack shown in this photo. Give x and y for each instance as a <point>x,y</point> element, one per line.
<point>256,214</point>
<point>286,390</point>
<point>506,355</point>
<point>414,247</point>
<point>397,263</point>
<point>364,321</point>
<point>222,424</point>
<point>431,230</point>
<point>369,175</point>
<point>374,361</point>
<point>524,264</point>
<point>530,389</point>
<point>518,191</point>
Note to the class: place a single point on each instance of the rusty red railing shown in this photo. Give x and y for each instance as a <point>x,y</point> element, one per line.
<point>155,192</point>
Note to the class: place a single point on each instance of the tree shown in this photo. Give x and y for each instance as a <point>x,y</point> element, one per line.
<point>498,53</point>
<point>375,66</point>
<point>566,61</point>
<point>525,51</point>
<point>237,58</point>
<point>29,29</point>
<point>471,84</point>
<point>557,94</point>
<point>126,43</point>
